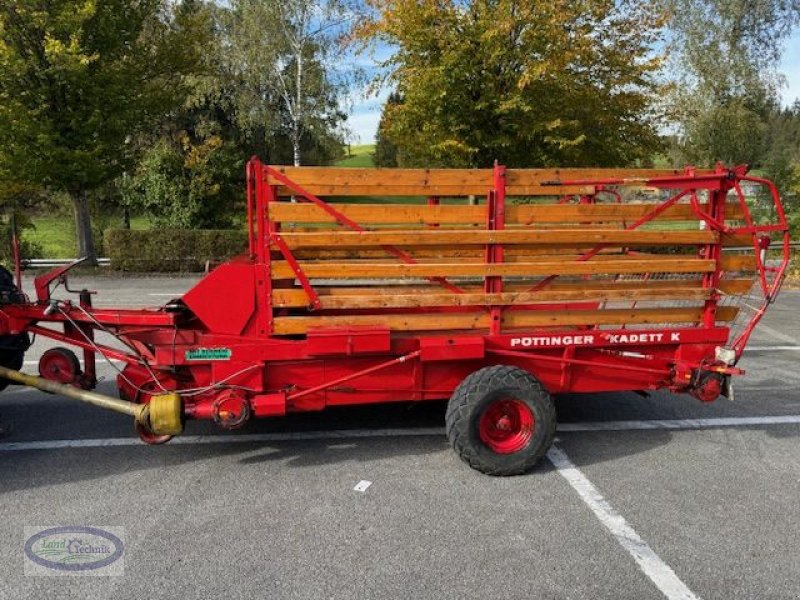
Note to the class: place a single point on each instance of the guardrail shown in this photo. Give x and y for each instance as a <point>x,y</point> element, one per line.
<point>58,262</point>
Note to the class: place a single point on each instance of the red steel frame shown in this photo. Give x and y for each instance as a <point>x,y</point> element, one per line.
<point>218,338</point>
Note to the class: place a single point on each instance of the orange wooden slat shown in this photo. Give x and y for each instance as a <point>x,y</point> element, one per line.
<point>511,319</point>
<point>353,270</point>
<point>551,237</point>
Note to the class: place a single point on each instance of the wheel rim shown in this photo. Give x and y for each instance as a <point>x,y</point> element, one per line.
<point>59,365</point>
<point>506,426</point>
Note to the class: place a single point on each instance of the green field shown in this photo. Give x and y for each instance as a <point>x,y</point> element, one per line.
<point>357,156</point>
<point>55,235</point>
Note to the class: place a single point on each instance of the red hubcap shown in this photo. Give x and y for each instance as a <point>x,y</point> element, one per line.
<point>506,426</point>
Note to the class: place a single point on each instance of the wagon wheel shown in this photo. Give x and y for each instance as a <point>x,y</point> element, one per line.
<point>60,365</point>
<point>500,420</point>
<point>147,436</point>
<point>12,347</point>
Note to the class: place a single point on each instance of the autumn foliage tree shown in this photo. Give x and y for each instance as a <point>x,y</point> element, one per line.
<point>77,79</point>
<point>529,82</point>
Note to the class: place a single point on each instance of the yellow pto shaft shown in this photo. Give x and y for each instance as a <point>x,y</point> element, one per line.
<point>163,415</point>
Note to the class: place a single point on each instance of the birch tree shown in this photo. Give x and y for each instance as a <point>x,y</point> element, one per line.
<point>289,56</point>
<point>724,59</point>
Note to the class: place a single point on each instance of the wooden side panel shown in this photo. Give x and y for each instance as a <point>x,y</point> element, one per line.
<point>416,296</point>
<point>332,181</point>
<point>552,237</point>
<point>511,320</point>
<point>354,270</point>
<point>516,214</point>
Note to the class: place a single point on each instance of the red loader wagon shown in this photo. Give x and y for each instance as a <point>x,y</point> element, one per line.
<point>555,281</point>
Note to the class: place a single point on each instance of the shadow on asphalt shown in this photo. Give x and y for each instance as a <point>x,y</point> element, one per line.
<point>32,469</point>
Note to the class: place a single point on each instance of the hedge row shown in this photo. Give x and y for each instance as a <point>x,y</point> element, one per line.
<point>171,250</point>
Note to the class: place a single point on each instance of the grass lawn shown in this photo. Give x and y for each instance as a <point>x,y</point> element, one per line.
<point>55,235</point>
<point>358,156</point>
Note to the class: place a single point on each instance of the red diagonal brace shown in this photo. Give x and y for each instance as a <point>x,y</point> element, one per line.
<point>313,299</point>
<point>594,251</point>
<point>347,222</point>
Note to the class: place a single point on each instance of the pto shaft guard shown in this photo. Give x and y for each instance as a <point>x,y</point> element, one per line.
<point>163,415</point>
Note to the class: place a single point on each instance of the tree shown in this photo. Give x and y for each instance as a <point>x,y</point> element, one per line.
<point>385,154</point>
<point>724,59</point>
<point>78,78</point>
<point>185,183</point>
<point>287,56</point>
<point>527,82</point>
<point>781,159</point>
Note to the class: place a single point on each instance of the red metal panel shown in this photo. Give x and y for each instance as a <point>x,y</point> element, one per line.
<point>451,348</point>
<point>348,342</point>
<point>224,300</point>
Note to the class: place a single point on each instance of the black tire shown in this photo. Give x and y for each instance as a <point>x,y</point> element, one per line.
<point>12,347</point>
<point>490,387</point>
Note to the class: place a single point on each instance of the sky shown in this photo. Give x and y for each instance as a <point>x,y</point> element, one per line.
<point>366,109</point>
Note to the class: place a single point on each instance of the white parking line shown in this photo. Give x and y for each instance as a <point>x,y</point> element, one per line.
<point>649,562</point>
<point>778,335</point>
<point>709,423</point>
<point>226,439</point>
<point>770,348</point>
<point>343,434</point>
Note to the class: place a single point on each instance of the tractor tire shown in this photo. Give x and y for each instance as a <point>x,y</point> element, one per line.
<point>12,347</point>
<point>500,420</point>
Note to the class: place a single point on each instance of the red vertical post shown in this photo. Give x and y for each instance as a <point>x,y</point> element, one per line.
<point>717,201</point>
<point>89,358</point>
<point>264,194</point>
<point>251,234</point>
<point>495,221</point>
<point>261,212</point>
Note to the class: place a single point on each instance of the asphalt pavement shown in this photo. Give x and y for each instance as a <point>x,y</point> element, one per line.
<point>653,486</point>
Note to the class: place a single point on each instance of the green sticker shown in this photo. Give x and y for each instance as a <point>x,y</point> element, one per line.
<point>208,354</point>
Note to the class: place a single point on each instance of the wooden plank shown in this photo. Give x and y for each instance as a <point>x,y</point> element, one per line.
<point>739,240</point>
<point>516,214</point>
<point>408,296</point>
<point>369,214</point>
<point>729,262</point>
<point>333,181</point>
<point>499,299</point>
<point>511,253</point>
<point>443,191</point>
<point>533,214</point>
<point>339,181</point>
<point>728,286</point>
<point>351,270</point>
<point>526,176</point>
<point>511,319</point>
<point>552,237</point>
<point>738,262</point>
